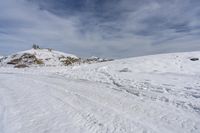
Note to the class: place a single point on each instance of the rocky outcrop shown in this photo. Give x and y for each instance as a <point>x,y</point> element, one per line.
<point>25,58</point>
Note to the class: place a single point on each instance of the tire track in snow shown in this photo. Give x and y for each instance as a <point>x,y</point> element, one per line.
<point>86,120</point>
<point>94,104</point>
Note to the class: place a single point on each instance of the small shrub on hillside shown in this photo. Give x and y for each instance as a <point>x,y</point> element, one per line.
<point>39,62</point>
<point>20,66</point>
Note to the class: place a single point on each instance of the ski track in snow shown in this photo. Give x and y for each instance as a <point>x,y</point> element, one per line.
<point>100,98</point>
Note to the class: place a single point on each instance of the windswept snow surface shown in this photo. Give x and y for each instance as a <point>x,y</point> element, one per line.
<point>151,94</point>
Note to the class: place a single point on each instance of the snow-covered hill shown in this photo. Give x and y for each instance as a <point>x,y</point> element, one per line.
<point>45,57</point>
<point>150,94</point>
<point>42,57</point>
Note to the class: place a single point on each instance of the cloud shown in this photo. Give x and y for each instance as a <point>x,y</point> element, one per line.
<point>114,28</point>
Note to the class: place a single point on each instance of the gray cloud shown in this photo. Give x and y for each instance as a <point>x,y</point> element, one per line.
<point>115,28</point>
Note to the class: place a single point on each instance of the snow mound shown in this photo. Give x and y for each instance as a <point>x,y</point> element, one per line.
<point>41,57</point>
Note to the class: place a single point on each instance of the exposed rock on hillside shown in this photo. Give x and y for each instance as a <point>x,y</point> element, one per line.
<point>94,59</point>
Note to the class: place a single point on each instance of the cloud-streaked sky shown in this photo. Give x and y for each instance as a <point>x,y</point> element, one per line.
<point>105,28</point>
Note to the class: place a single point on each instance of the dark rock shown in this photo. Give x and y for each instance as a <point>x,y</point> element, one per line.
<point>14,61</point>
<point>194,59</point>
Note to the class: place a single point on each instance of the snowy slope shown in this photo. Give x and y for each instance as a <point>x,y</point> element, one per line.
<point>46,56</point>
<point>151,94</point>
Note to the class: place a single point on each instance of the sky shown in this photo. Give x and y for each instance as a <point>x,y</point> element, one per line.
<point>104,28</point>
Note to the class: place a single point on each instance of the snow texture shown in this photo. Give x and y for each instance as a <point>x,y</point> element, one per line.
<point>150,94</point>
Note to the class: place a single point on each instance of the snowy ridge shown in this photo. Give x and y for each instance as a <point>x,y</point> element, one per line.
<point>46,57</point>
<point>152,94</point>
